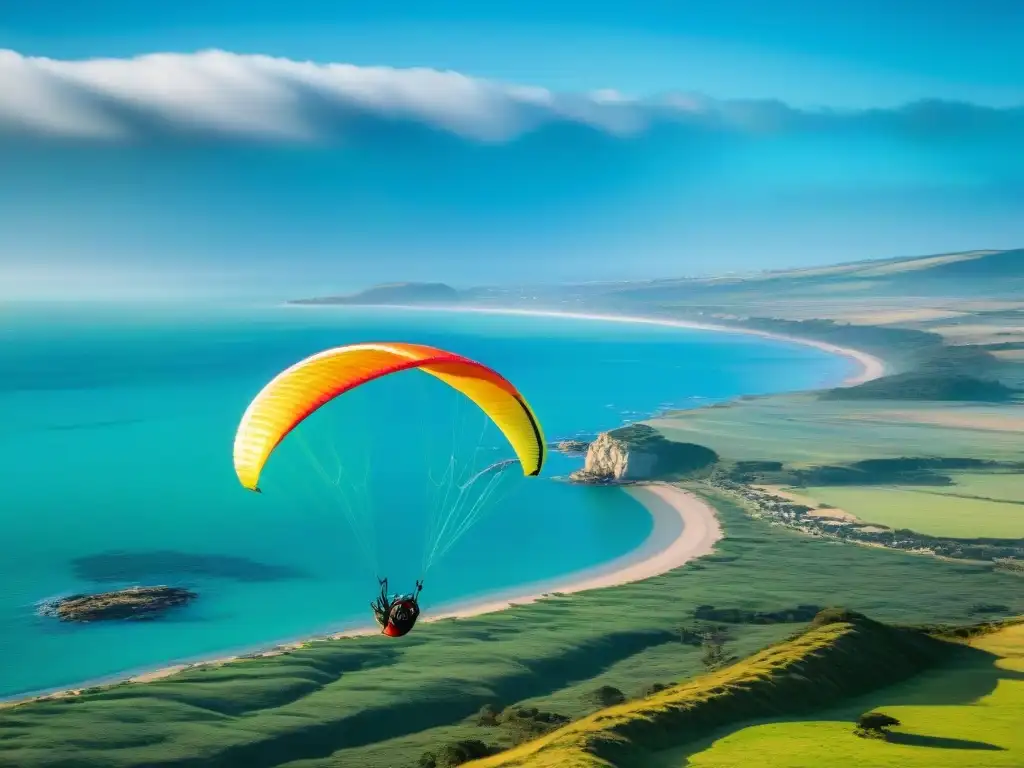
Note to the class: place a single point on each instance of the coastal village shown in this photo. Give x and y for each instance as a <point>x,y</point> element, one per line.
<point>771,505</point>
<point>634,455</point>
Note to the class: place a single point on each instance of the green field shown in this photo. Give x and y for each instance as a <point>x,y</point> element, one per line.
<point>928,509</point>
<point>790,701</point>
<point>802,430</point>
<point>997,486</point>
<point>967,715</point>
<point>373,703</point>
<point>845,660</point>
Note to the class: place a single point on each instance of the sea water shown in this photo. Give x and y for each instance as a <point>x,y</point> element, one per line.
<point>116,429</point>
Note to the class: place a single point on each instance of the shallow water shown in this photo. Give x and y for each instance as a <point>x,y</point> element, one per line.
<point>116,428</point>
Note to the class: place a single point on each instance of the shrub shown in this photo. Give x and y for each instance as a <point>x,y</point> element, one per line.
<point>1010,564</point>
<point>456,753</point>
<point>690,636</point>
<point>714,651</point>
<point>796,615</point>
<point>874,724</point>
<point>608,696</point>
<point>487,716</point>
<point>835,616</point>
<point>657,688</point>
<point>529,722</point>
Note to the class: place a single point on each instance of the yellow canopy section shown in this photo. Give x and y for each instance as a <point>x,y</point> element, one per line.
<point>304,387</point>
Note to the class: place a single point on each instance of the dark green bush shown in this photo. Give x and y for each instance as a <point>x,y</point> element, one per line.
<point>487,716</point>
<point>835,616</point>
<point>460,752</point>
<point>874,724</point>
<point>608,696</point>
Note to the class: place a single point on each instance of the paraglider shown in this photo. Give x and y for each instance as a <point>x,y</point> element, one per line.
<point>397,614</point>
<point>302,389</point>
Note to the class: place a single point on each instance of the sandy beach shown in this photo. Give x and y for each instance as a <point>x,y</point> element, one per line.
<point>870,367</point>
<point>685,527</point>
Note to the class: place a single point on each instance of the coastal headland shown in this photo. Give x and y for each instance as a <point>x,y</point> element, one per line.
<point>629,653</point>
<point>684,524</point>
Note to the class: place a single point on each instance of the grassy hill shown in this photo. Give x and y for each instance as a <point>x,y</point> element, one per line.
<point>842,656</point>
<point>985,273</point>
<point>454,688</point>
<point>964,713</point>
<point>394,293</point>
<point>927,386</point>
<point>374,703</point>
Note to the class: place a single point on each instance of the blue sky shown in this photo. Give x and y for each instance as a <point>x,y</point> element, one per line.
<point>740,135</point>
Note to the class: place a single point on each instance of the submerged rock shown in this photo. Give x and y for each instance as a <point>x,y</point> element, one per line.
<point>134,603</point>
<point>572,447</point>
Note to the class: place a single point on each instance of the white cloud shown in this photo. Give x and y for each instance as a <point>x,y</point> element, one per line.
<point>226,93</point>
<point>216,93</point>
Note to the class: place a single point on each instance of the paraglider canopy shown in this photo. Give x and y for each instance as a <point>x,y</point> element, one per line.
<point>463,491</point>
<point>303,388</point>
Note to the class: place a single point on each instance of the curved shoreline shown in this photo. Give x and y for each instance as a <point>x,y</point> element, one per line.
<point>685,527</point>
<point>871,367</point>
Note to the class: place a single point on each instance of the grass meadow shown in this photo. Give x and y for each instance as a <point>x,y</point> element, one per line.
<point>374,703</point>
<point>802,430</point>
<point>926,509</point>
<point>967,713</point>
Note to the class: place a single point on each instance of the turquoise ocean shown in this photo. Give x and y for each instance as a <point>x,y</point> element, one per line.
<point>116,430</point>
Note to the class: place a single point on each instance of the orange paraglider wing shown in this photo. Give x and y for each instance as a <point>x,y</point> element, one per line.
<point>300,390</point>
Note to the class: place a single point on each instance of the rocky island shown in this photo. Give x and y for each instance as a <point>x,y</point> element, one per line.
<point>138,603</point>
<point>393,293</point>
<point>571,447</point>
<point>639,452</point>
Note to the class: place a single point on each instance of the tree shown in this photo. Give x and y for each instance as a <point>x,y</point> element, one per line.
<point>460,752</point>
<point>608,696</point>
<point>875,725</point>
<point>487,716</point>
<point>714,650</point>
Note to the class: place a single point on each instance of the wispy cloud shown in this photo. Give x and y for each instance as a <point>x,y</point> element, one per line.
<point>217,94</point>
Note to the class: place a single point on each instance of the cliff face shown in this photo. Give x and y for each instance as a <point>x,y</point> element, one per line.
<point>613,460</point>
<point>640,452</point>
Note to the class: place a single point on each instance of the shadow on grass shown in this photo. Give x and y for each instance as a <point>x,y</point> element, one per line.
<point>431,708</point>
<point>940,742</point>
<point>257,684</point>
<point>973,673</point>
<point>967,675</point>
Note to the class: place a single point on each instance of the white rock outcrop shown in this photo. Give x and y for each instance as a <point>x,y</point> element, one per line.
<point>611,460</point>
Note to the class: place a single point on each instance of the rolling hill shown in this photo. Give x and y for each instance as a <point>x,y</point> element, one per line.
<point>987,274</point>
<point>842,657</point>
<point>991,274</point>
<point>393,293</point>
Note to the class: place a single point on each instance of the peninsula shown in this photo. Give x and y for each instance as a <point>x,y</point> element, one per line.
<point>775,504</point>
<point>393,293</point>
